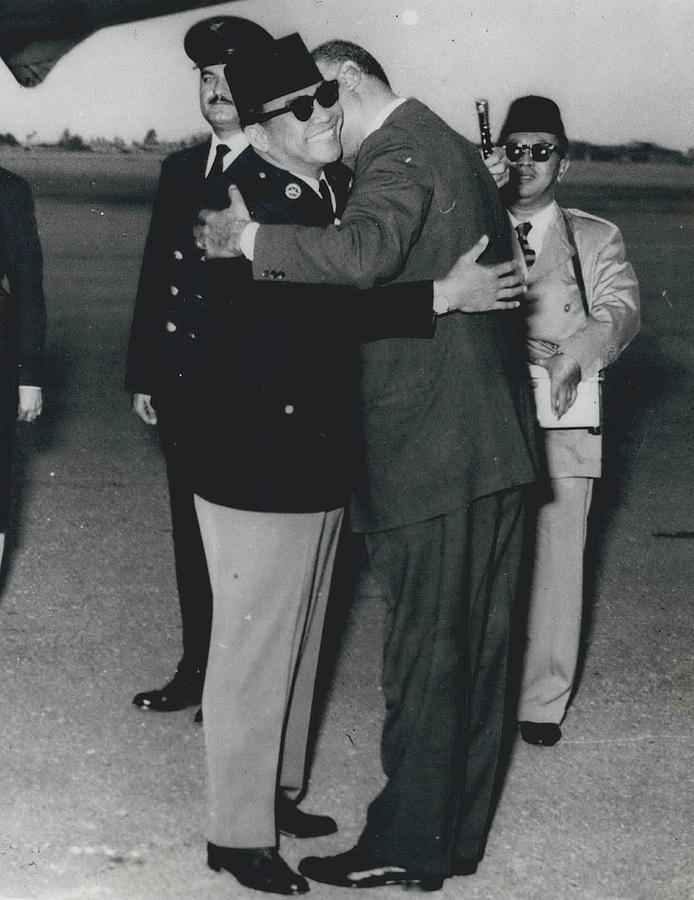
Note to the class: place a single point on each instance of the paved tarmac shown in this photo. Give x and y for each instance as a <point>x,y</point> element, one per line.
<point>101,800</point>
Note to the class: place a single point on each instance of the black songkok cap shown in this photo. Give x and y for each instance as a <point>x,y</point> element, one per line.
<point>533,113</point>
<point>214,41</point>
<point>272,71</point>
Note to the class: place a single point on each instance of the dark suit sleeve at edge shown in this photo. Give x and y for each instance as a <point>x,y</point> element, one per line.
<point>24,269</point>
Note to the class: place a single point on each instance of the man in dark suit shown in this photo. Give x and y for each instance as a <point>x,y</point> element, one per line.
<point>268,445</point>
<point>157,369</point>
<point>22,323</point>
<point>447,447</point>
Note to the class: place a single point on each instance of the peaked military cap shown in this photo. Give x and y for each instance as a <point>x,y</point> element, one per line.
<point>533,113</point>
<point>272,71</point>
<point>214,41</point>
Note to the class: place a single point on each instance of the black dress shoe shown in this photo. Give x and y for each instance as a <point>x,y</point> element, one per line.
<point>546,734</point>
<point>357,869</point>
<point>197,718</point>
<point>295,823</point>
<point>464,865</point>
<point>262,869</point>
<point>184,689</point>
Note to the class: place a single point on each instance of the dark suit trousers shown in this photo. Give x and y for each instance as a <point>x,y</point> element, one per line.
<point>451,583</point>
<point>192,578</point>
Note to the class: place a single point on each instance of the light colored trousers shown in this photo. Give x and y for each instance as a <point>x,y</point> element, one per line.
<point>270,575</point>
<point>556,602</point>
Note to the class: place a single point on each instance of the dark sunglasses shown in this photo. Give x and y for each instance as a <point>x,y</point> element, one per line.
<point>302,107</point>
<point>538,152</point>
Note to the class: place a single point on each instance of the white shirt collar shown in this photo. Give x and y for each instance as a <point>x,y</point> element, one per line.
<point>237,143</point>
<point>540,221</point>
<point>378,120</point>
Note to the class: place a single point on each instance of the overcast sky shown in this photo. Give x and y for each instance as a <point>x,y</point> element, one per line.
<point>621,70</point>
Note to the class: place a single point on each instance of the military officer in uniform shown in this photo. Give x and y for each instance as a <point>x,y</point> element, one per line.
<point>269,456</point>
<point>161,351</point>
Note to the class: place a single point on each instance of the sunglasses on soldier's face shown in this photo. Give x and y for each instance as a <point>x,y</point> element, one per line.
<point>302,107</point>
<point>540,152</point>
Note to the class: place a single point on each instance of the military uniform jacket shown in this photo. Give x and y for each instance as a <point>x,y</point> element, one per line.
<point>555,312</point>
<point>261,377</point>
<point>446,420</point>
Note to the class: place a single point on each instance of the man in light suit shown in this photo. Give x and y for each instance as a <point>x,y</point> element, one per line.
<point>582,310</point>
<point>22,323</point>
<point>446,450</point>
<point>159,363</point>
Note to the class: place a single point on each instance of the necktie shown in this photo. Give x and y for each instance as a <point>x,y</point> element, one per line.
<point>327,199</point>
<point>214,194</point>
<point>528,253</point>
<point>217,166</point>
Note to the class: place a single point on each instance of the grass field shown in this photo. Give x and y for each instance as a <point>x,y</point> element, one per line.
<point>133,175</point>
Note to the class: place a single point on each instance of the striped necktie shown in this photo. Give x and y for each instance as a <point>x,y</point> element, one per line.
<point>528,253</point>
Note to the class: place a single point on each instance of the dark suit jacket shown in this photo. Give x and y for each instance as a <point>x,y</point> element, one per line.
<point>23,316</point>
<point>22,312</point>
<point>260,377</point>
<point>446,420</point>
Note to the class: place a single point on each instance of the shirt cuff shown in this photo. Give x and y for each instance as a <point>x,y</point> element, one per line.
<point>247,241</point>
<point>440,301</point>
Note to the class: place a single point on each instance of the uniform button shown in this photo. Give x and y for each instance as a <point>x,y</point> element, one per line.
<point>170,327</point>
<point>567,307</point>
<point>289,409</point>
<point>192,335</point>
<point>266,274</point>
<point>198,296</point>
<point>174,290</point>
<point>280,274</point>
<point>177,255</point>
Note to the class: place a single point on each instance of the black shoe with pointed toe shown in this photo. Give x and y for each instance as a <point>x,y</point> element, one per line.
<point>358,869</point>
<point>184,689</point>
<point>293,822</point>
<point>262,869</point>
<point>544,734</point>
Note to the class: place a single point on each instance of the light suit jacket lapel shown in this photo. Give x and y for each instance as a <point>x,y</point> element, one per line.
<point>556,252</point>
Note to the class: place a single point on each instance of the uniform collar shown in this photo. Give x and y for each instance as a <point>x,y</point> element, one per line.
<point>237,143</point>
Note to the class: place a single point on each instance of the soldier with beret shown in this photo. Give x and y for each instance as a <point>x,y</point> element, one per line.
<point>582,310</point>
<point>168,314</point>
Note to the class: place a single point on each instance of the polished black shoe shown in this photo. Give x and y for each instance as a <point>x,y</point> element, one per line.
<point>464,865</point>
<point>292,822</point>
<point>184,689</point>
<point>262,869</point>
<point>197,718</point>
<point>546,734</point>
<point>358,869</point>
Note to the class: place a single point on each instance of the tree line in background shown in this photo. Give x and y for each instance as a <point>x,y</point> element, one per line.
<point>74,143</point>
<point>633,152</point>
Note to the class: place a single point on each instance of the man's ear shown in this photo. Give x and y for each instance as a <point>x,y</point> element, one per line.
<point>564,164</point>
<point>349,75</point>
<point>257,137</point>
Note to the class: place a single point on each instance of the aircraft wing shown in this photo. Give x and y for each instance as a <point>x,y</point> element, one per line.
<point>35,34</point>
